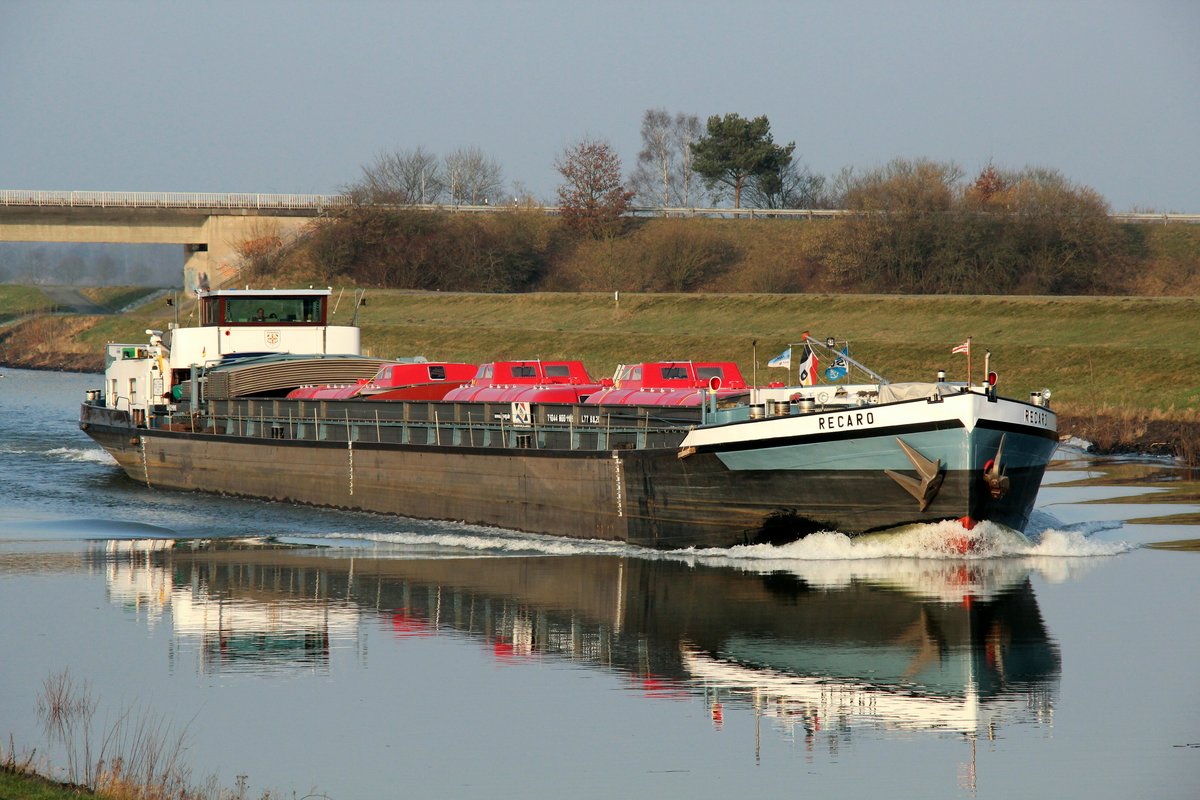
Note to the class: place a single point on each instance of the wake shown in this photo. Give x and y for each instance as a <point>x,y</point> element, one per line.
<point>941,541</point>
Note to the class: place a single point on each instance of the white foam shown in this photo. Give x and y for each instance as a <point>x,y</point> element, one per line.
<point>916,559</point>
<point>1074,543</point>
<point>1075,445</point>
<point>941,561</point>
<point>480,540</point>
<point>937,540</point>
<point>92,454</point>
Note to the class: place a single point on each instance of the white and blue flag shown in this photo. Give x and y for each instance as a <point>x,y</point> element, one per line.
<point>840,367</point>
<point>783,360</point>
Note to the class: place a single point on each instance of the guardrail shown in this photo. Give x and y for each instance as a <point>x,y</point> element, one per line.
<point>1163,218</point>
<point>323,202</point>
<point>87,199</point>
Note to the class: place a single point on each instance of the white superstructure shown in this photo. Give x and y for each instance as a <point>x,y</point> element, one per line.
<point>233,322</point>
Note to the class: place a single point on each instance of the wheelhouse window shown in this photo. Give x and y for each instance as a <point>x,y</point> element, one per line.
<point>707,373</point>
<point>437,373</point>
<point>558,371</point>
<point>674,373</point>
<point>270,310</point>
<point>525,371</point>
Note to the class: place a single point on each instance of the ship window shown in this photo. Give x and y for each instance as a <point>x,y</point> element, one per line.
<point>133,390</point>
<point>208,311</point>
<point>558,371</point>
<point>674,373</point>
<point>437,373</point>
<point>524,372</point>
<point>274,310</point>
<point>636,374</point>
<point>385,375</point>
<point>705,373</point>
<point>314,310</point>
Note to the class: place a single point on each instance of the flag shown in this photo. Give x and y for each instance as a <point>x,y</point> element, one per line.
<point>965,347</point>
<point>808,367</point>
<point>784,359</point>
<point>840,367</point>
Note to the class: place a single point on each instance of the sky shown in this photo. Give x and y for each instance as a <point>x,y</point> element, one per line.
<point>296,97</point>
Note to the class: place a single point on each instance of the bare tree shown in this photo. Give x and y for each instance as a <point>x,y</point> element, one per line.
<point>472,177</point>
<point>654,176</point>
<point>685,130</point>
<point>663,175</point>
<point>593,198</point>
<point>792,186</point>
<point>403,177</point>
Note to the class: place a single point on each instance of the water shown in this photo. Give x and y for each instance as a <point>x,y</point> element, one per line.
<point>366,656</point>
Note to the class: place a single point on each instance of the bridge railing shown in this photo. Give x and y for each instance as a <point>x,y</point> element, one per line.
<point>87,199</point>
<point>322,202</point>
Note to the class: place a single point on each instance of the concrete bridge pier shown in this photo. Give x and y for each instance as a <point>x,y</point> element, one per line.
<point>214,258</point>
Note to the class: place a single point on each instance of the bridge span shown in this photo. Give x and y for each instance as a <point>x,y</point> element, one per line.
<point>210,227</point>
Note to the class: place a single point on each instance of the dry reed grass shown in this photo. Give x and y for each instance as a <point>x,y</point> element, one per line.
<point>137,756</point>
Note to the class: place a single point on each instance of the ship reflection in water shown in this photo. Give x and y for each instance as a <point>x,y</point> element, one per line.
<point>818,649</point>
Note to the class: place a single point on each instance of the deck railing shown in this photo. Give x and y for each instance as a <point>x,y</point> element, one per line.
<point>443,424</point>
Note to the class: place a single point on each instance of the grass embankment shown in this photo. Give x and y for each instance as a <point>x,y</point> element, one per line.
<point>1123,369</point>
<point>16,301</point>
<point>28,786</point>
<point>116,297</point>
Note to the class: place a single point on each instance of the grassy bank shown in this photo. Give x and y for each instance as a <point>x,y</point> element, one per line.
<point>16,301</point>
<point>1122,369</point>
<point>19,785</point>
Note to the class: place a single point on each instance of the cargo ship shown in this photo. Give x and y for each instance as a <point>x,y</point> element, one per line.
<point>265,398</point>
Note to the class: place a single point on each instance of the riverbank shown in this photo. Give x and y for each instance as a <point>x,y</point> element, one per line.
<point>17,784</point>
<point>1123,370</point>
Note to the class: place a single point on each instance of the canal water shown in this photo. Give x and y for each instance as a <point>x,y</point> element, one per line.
<point>353,655</point>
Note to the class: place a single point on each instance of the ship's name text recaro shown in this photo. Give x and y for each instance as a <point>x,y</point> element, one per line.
<point>838,421</point>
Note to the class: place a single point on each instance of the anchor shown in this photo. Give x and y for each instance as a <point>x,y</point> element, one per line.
<point>930,475</point>
<point>993,473</point>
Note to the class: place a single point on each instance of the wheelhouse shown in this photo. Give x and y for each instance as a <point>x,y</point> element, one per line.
<point>239,308</point>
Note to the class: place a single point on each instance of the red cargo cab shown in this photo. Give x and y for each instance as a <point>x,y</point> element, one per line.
<point>328,391</point>
<point>671,383</point>
<point>398,381</point>
<point>528,382</point>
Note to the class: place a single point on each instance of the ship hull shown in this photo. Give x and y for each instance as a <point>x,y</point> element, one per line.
<point>734,484</point>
